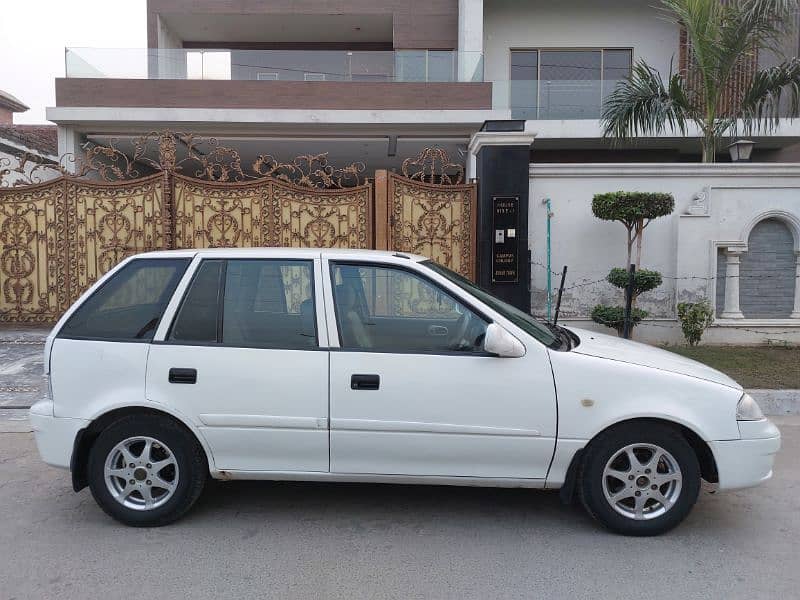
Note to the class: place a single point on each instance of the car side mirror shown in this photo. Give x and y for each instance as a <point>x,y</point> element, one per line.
<point>500,342</point>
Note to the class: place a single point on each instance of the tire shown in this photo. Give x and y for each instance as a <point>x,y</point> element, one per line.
<point>625,499</point>
<point>167,476</point>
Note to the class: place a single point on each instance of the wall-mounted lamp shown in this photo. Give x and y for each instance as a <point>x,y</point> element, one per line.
<point>740,150</point>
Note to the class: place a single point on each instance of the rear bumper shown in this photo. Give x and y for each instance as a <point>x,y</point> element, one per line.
<point>748,461</point>
<point>55,436</point>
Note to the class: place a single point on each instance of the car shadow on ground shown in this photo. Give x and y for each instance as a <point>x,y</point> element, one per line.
<point>368,506</point>
<point>375,502</point>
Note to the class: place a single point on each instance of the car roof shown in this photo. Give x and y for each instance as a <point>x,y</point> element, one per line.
<point>282,252</point>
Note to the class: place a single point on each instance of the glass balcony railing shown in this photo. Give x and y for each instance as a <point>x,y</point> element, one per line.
<point>272,65</point>
<point>519,99</point>
<point>552,99</point>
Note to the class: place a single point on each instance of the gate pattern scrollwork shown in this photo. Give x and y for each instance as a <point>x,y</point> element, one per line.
<point>270,213</point>
<point>322,218</point>
<point>434,220</point>
<point>109,222</point>
<point>219,215</point>
<point>33,286</point>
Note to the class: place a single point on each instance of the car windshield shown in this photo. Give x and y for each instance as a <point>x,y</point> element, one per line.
<point>519,318</point>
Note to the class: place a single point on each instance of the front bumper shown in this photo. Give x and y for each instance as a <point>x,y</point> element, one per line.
<point>55,436</point>
<point>747,461</point>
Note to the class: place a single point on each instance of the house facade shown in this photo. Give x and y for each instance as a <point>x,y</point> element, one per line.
<point>379,81</point>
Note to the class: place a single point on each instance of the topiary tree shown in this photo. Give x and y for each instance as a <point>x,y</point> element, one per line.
<point>614,316</point>
<point>635,210</point>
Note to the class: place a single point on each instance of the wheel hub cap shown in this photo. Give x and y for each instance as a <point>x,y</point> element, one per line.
<point>642,481</point>
<point>141,473</point>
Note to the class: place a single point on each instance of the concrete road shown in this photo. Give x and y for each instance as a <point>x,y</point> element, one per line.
<point>287,540</point>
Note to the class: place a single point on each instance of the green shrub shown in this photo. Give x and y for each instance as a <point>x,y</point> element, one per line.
<point>695,318</point>
<point>614,316</point>
<point>643,280</point>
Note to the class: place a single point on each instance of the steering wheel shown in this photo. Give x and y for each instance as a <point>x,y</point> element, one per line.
<point>457,340</point>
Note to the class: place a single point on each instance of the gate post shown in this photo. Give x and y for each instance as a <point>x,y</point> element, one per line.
<point>381,213</point>
<point>502,151</point>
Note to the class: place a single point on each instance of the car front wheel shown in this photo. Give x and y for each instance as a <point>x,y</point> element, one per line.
<point>146,470</point>
<point>640,478</point>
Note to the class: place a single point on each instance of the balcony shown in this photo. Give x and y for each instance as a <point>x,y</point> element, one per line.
<point>417,80</point>
<point>437,66</point>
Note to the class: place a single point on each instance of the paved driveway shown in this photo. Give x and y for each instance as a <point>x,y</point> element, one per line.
<point>290,540</point>
<point>21,365</point>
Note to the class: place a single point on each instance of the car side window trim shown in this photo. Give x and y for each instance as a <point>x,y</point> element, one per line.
<point>333,263</point>
<point>221,313</point>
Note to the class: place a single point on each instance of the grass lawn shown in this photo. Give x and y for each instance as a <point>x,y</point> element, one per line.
<point>769,367</point>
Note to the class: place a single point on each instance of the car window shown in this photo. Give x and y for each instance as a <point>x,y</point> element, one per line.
<point>395,310</point>
<point>521,319</point>
<point>129,305</point>
<point>249,303</point>
<point>197,318</point>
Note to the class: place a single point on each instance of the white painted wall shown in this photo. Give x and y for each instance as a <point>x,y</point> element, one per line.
<point>575,24</point>
<point>715,206</point>
<point>470,39</point>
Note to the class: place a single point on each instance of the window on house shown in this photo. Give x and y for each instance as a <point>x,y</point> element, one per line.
<point>314,76</point>
<point>267,76</point>
<point>564,84</point>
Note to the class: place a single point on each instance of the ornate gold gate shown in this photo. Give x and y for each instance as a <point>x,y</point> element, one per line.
<point>270,213</point>
<point>58,237</point>
<point>431,212</point>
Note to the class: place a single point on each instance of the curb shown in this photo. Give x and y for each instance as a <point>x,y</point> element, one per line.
<point>777,402</point>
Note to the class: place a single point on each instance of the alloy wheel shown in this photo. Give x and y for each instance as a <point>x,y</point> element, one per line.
<point>642,481</point>
<point>141,473</point>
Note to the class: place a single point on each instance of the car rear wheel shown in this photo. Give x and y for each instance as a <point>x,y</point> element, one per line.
<point>146,471</point>
<point>640,478</point>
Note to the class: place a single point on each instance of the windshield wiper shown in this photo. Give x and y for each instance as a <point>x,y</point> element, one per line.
<point>561,333</point>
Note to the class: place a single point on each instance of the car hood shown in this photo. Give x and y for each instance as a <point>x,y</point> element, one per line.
<point>614,348</point>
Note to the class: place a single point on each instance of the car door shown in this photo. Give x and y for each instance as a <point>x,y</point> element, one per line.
<point>246,360</point>
<point>413,393</point>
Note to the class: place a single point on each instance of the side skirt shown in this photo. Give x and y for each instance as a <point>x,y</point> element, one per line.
<point>505,482</point>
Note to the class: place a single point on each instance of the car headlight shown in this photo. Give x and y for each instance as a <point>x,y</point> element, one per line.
<point>748,409</point>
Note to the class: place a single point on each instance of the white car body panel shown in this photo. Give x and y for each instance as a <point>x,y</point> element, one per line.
<point>91,376</point>
<point>258,409</point>
<point>455,415</point>
<point>440,419</point>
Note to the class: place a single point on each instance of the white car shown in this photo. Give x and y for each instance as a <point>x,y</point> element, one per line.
<point>343,365</point>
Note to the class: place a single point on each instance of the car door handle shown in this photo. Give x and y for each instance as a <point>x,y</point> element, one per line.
<point>365,382</point>
<point>438,330</point>
<point>182,375</point>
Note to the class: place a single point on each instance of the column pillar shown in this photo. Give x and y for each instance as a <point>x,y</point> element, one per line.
<point>796,311</point>
<point>470,40</point>
<point>732,261</point>
<point>502,163</point>
<point>69,147</point>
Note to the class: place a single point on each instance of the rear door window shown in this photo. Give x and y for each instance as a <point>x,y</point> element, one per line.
<point>128,307</point>
<point>261,303</point>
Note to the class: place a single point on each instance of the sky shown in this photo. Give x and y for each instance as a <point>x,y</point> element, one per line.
<point>34,33</point>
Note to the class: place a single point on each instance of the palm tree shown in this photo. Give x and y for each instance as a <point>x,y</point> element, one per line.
<point>723,36</point>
